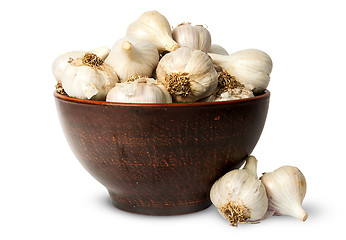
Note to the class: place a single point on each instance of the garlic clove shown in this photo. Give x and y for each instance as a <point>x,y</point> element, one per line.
<point>286,189</point>
<point>187,74</point>
<point>130,57</point>
<point>194,37</point>
<point>239,196</point>
<point>153,27</point>
<point>141,90</point>
<point>251,67</point>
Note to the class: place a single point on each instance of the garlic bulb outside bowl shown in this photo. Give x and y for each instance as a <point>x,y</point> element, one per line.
<point>142,90</point>
<point>286,189</point>
<point>239,195</point>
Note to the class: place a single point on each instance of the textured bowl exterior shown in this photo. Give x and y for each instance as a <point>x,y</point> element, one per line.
<point>161,159</point>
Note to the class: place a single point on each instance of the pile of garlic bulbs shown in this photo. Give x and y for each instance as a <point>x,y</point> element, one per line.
<point>183,63</point>
<point>241,197</point>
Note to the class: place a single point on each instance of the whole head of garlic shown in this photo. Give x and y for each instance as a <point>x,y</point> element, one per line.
<point>153,27</point>
<point>251,67</point>
<point>88,77</point>
<point>130,56</point>
<point>239,195</point>
<point>194,37</point>
<point>187,74</point>
<point>286,188</point>
<point>141,90</point>
<point>61,62</point>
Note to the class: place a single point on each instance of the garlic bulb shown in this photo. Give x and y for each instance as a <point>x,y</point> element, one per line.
<point>130,56</point>
<point>239,195</point>
<point>194,37</point>
<point>187,74</point>
<point>62,61</point>
<point>251,67</point>
<point>89,77</point>
<point>215,48</point>
<point>153,27</point>
<point>286,188</point>
<point>142,90</point>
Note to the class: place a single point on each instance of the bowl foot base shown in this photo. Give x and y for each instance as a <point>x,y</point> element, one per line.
<point>147,208</point>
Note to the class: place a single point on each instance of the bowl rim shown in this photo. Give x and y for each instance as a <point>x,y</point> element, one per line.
<point>262,96</point>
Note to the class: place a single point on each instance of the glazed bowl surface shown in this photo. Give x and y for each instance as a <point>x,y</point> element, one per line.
<point>161,159</point>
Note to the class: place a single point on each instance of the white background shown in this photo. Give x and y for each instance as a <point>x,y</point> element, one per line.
<point>46,194</point>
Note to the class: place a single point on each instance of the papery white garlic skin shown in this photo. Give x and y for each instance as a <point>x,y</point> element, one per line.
<point>235,94</point>
<point>194,37</point>
<point>130,56</point>
<point>86,81</point>
<point>191,71</point>
<point>142,90</point>
<point>239,195</point>
<point>215,48</point>
<point>251,67</point>
<point>286,189</point>
<point>153,27</point>
<point>61,62</point>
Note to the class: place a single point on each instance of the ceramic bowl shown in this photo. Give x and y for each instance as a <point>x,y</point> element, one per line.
<point>161,159</point>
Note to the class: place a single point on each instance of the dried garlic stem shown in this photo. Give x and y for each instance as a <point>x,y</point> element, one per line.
<point>251,165</point>
<point>235,213</point>
<point>126,45</point>
<point>179,84</point>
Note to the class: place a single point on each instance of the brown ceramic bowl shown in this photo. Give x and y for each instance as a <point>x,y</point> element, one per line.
<point>161,159</point>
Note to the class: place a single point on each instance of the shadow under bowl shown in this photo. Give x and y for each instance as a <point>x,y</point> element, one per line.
<point>161,159</point>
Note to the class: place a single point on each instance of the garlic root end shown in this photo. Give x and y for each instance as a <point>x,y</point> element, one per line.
<point>235,213</point>
<point>178,84</point>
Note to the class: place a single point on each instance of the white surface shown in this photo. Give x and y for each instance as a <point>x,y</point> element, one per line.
<point>45,192</point>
